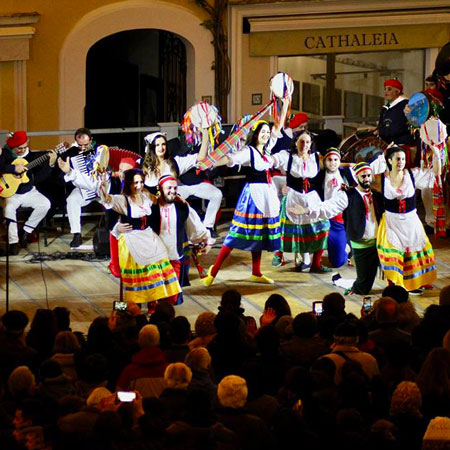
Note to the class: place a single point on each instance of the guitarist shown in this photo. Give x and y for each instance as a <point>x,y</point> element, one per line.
<point>27,195</point>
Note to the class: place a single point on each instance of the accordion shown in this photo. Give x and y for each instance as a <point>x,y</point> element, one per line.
<point>83,163</point>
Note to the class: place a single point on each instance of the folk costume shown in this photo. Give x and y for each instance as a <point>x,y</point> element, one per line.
<point>328,184</point>
<point>256,224</point>
<point>406,256</point>
<point>146,272</point>
<point>299,232</point>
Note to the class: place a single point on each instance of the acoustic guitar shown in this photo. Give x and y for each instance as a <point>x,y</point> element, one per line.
<point>10,182</point>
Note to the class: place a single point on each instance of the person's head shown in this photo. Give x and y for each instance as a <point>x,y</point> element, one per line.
<point>267,341</point>
<point>177,376</point>
<point>83,138</point>
<point>434,375</point>
<point>49,369</point>
<point>437,434</point>
<point>126,164</point>
<point>279,304</point>
<point>133,182</point>
<point>180,330</point>
<point>204,324</point>
<point>66,342</point>
<point>430,82</point>
<point>299,123</point>
<point>198,359</point>
<point>44,321</point>
<point>231,302</point>
<point>332,160</point>
<point>406,399</point>
<point>15,322</point>
<point>168,187</point>
<point>363,173</point>
<point>232,392</point>
<point>346,333</point>
<point>444,296</point>
<point>392,89</point>
<point>148,336</point>
<point>94,369</point>
<point>398,293</point>
<point>96,396</point>
<point>395,158</point>
<point>62,317</point>
<point>21,382</point>
<point>18,143</point>
<point>333,303</point>
<point>301,145</point>
<point>305,325</point>
<point>156,145</point>
<point>386,310</point>
<point>260,134</point>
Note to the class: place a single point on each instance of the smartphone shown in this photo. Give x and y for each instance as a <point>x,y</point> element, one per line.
<point>124,396</point>
<point>317,308</point>
<point>367,304</point>
<point>120,306</point>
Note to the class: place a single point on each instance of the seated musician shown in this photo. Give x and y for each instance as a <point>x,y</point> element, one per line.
<point>76,168</point>
<point>26,195</point>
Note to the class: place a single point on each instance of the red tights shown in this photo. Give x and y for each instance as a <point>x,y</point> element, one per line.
<point>317,256</point>
<point>225,251</point>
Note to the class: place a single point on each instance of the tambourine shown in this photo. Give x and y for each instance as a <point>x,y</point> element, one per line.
<point>201,115</point>
<point>433,132</point>
<point>101,160</point>
<point>419,109</point>
<point>281,84</point>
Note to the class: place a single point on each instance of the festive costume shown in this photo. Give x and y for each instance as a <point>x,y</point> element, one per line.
<point>147,274</point>
<point>406,256</point>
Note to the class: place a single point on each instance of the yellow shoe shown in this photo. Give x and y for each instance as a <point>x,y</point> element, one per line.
<point>209,279</point>
<point>261,279</point>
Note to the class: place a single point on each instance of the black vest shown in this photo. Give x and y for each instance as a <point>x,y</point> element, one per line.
<point>299,184</point>
<point>253,175</point>
<point>355,213</point>
<point>396,205</point>
<point>319,180</point>
<point>140,223</point>
<point>182,210</point>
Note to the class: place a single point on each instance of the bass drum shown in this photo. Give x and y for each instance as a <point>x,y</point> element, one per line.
<point>363,145</point>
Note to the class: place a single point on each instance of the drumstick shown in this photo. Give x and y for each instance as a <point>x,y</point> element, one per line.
<point>201,271</point>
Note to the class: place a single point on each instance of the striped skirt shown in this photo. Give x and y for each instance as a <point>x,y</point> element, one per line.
<point>305,238</point>
<point>410,270</point>
<point>250,229</point>
<point>146,283</point>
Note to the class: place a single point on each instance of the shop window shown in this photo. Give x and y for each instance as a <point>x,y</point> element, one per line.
<point>311,98</point>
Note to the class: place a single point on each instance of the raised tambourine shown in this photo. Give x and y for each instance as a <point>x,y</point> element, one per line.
<point>433,132</point>
<point>201,115</point>
<point>101,160</point>
<point>281,84</point>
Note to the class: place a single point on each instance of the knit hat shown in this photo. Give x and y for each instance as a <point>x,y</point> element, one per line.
<point>97,395</point>
<point>360,167</point>
<point>16,139</point>
<point>204,325</point>
<point>332,151</point>
<point>129,161</point>
<point>166,178</point>
<point>393,82</point>
<point>438,430</point>
<point>298,120</point>
<point>232,392</point>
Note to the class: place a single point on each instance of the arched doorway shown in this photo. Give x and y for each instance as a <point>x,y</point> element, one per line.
<point>135,78</point>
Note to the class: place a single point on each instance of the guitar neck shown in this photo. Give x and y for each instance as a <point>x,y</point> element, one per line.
<point>38,161</point>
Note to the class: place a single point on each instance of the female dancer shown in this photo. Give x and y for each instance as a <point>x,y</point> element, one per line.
<point>299,232</point>
<point>147,274</point>
<point>406,256</point>
<point>255,225</point>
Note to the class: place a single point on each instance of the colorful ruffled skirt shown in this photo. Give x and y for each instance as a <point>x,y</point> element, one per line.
<point>146,283</point>
<point>250,229</point>
<point>302,238</point>
<point>410,270</point>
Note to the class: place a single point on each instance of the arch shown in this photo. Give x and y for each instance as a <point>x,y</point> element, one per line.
<point>130,15</point>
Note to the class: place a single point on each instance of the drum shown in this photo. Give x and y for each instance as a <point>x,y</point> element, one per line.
<point>363,145</point>
<point>281,84</point>
<point>418,109</point>
<point>433,132</point>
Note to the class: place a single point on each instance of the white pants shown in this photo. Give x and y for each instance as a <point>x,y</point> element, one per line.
<point>32,199</point>
<point>205,191</point>
<point>74,204</point>
<point>427,199</point>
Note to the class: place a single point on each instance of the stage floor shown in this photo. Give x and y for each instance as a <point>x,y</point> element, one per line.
<point>88,290</point>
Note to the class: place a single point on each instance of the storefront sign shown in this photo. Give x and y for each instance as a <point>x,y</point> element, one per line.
<point>348,40</point>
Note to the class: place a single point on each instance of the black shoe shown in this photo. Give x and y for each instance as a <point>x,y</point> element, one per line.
<point>213,232</point>
<point>14,249</point>
<point>23,238</point>
<point>302,267</point>
<point>76,241</point>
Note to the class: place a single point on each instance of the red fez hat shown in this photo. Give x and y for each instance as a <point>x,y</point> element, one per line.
<point>436,94</point>
<point>18,138</point>
<point>298,119</point>
<point>393,82</point>
<point>129,161</point>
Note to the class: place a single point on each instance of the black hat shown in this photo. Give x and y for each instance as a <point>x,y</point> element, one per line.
<point>15,321</point>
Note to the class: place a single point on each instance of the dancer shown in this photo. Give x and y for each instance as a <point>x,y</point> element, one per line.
<point>300,234</point>
<point>256,224</point>
<point>406,256</point>
<point>147,274</point>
